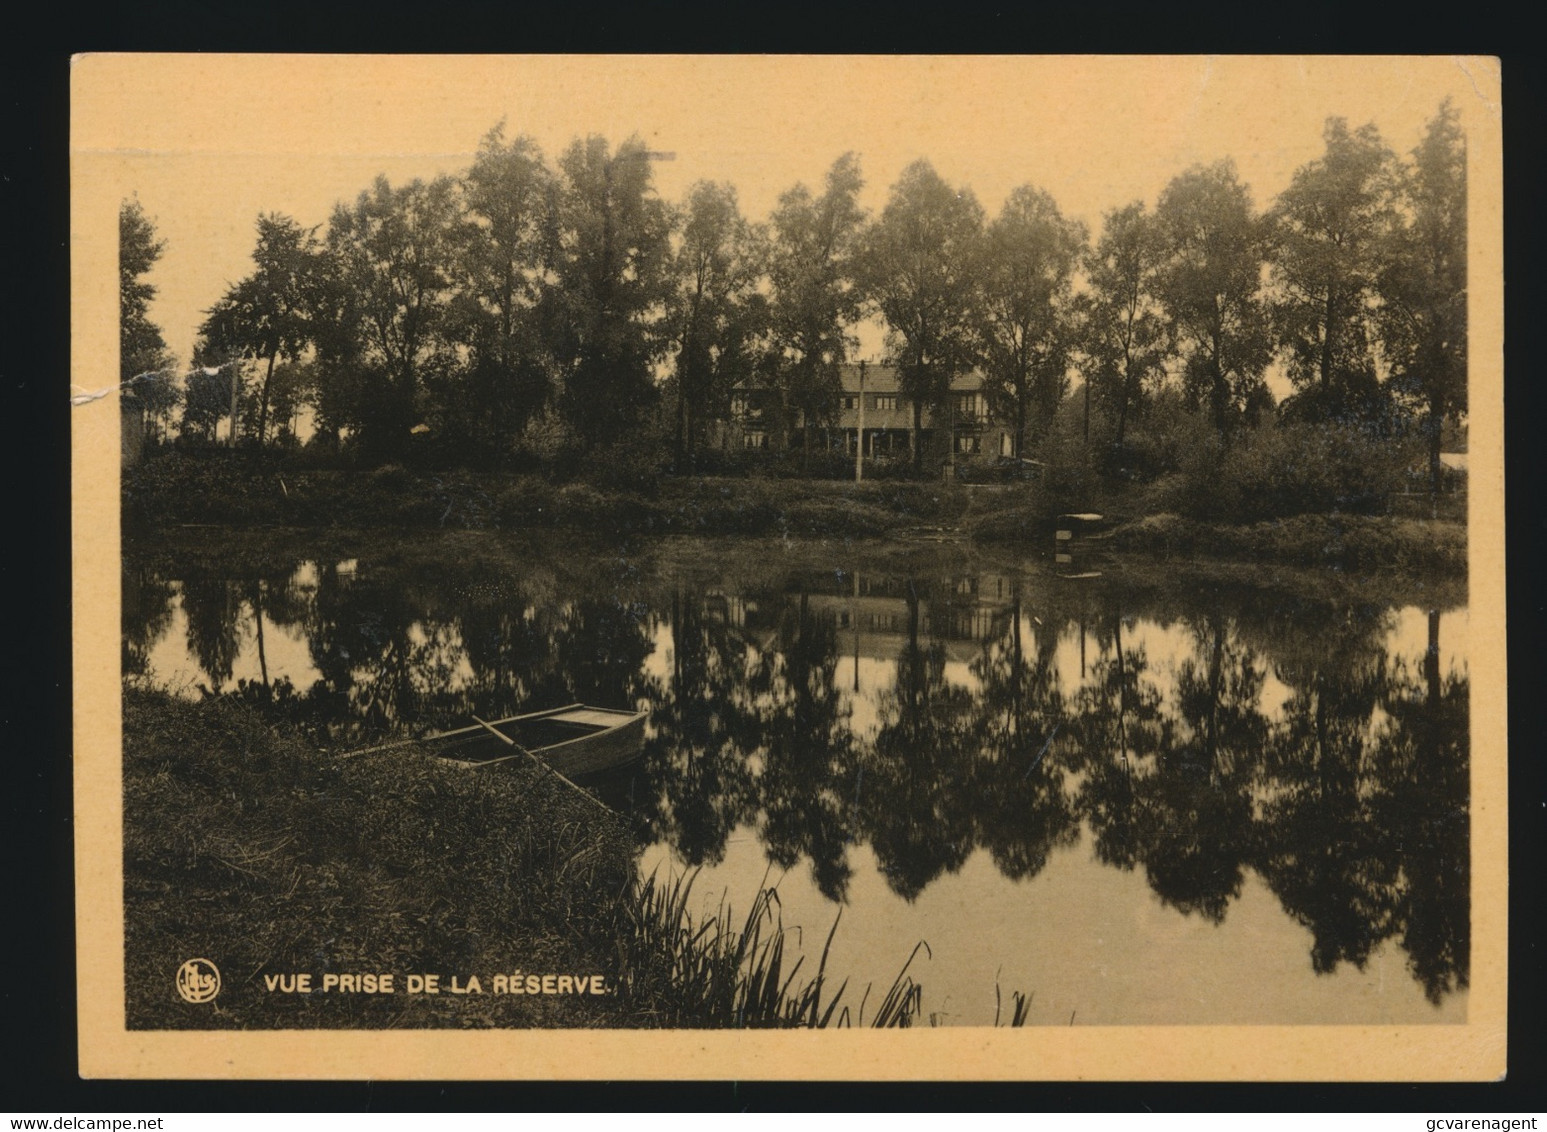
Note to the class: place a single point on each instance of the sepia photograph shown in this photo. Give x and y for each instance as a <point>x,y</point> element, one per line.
<point>602,566</point>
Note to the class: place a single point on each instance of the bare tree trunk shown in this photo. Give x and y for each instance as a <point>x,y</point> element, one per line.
<point>257,617</point>
<point>1435,428</point>
<point>263,401</point>
<point>916,450</point>
<point>1326,344</point>
<point>1087,412</point>
<point>682,423</point>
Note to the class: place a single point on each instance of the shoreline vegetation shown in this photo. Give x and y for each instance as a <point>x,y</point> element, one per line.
<point>399,873</point>
<point>179,495</point>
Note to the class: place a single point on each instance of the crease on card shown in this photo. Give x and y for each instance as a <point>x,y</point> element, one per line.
<point>79,396</point>
<point>1491,103</point>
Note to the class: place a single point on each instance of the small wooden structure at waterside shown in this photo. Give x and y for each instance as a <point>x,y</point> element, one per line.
<point>1072,531</point>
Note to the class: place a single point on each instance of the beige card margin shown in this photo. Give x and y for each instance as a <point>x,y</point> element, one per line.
<point>1473,1051</point>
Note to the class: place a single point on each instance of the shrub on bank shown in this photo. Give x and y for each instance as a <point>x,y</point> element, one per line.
<point>1296,469</point>
<point>1024,513</point>
<point>1282,470</point>
<point>526,501</point>
<point>1367,544</point>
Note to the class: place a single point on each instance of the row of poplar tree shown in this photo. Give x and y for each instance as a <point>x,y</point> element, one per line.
<point>519,293</point>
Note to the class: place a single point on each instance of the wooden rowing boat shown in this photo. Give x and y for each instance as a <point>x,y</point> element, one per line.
<point>573,740</point>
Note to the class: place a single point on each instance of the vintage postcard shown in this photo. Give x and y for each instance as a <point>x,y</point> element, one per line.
<point>789,567</point>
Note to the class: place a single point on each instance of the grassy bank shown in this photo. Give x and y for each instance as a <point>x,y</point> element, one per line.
<point>231,490</point>
<point>1357,543</point>
<point>244,846</point>
<point>177,492</point>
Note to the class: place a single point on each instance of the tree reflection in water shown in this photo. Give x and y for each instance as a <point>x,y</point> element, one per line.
<point>696,765</point>
<point>1200,739</point>
<point>1023,741</point>
<point>1119,730</point>
<point>918,825</point>
<point>809,771</point>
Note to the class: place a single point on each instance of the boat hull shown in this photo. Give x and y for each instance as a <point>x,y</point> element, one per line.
<point>573,740</point>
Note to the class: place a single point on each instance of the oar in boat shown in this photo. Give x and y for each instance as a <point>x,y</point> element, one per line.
<point>509,742</point>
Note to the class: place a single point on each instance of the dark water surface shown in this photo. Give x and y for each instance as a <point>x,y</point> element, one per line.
<point>1138,797</point>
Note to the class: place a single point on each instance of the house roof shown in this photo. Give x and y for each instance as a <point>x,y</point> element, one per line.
<point>884,379</point>
<point>879,378</point>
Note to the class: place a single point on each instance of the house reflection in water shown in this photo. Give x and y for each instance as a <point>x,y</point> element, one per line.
<point>872,612</point>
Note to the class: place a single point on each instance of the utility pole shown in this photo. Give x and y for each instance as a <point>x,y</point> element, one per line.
<point>235,378</point>
<point>949,470</point>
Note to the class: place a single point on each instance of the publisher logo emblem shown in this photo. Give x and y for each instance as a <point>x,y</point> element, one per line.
<point>198,980</point>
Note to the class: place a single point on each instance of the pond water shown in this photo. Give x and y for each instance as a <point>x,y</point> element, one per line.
<point>1136,797</point>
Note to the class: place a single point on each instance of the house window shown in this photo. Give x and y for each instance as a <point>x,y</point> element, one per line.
<point>968,444</point>
<point>969,406</point>
<point>1006,444</point>
<point>756,440</point>
<point>850,401</point>
<point>739,406</point>
<point>886,401</point>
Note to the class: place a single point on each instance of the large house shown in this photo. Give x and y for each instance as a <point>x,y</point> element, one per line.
<point>872,410</point>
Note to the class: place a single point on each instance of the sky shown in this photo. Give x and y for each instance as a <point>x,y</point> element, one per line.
<point>207,142</point>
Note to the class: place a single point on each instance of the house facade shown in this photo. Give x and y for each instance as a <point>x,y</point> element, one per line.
<point>872,412</point>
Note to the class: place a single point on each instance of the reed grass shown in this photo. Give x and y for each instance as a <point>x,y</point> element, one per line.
<point>682,971</point>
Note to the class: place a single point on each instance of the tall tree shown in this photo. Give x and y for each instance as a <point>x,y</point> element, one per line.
<point>506,247</point>
<point>1124,339</point>
<point>144,362</point>
<point>612,276</point>
<point>344,378</point>
<point>1329,230</point>
<point>1024,312</point>
<point>715,312</point>
<point>1423,291</point>
<point>917,269</point>
<point>813,296</point>
<point>141,349</point>
<point>1210,286</point>
<point>393,253</point>
<point>267,315</point>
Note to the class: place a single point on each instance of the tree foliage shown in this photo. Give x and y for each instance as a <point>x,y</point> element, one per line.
<point>268,315</point>
<point>144,363</point>
<point>1024,325</point>
<point>1210,286</point>
<point>1124,336</point>
<point>612,277</point>
<point>1424,286</point>
<point>917,268</point>
<point>813,295</point>
<point>392,253</point>
<point>1329,232</point>
<point>523,309</point>
<point>715,314</point>
<point>504,249</point>
<point>141,349</point>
